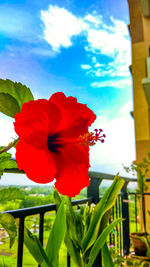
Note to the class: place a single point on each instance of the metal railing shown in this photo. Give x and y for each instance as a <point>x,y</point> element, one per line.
<point>120,239</point>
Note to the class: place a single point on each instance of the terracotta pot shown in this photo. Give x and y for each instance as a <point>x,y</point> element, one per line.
<point>138,245</point>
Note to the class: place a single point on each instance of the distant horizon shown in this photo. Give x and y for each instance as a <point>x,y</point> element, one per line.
<point>21,180</point>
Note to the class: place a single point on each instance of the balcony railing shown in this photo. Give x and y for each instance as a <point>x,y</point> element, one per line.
<point>119,239</point>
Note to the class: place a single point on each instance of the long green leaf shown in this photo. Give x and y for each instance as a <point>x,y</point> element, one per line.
<point>56,236</point>
<point>16,95</point>
<point>8,222</point>
<point>106,203</point>
<point>8,105</point>
<point>72,250</point>
<point>86,218</point>
<point>71,221</point>
<point>57,198</point>
<point>101,241</point>
<point>79,226</point>
<point>35,248</point>
<point>106,257</point>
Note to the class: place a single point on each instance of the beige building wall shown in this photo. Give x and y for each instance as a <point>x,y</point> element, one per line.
<point>140,45</point>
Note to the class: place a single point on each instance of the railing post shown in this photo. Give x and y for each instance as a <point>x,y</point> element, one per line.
<point>125,216</point>
<point>20,242</point>
<point>93,192</point>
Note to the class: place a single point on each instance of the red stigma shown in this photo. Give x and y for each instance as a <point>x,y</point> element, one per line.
<point>90,139</point>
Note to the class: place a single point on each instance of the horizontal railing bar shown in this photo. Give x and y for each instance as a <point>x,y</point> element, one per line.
<point>31,211</point>
<point>106,176</point>
<point>14,170</point>
<point>40,209</point>
<point>92,174</point>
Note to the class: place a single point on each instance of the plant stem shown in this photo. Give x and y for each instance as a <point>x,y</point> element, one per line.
<point>83,264</point>
<point>9,146</point>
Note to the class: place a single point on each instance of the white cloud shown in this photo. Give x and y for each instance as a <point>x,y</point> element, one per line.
<point>122,83</point>
<point>99,65</point>
<point>85,67</point>
<point>111,39</point>
<point>96,19</point>
<point>59,26</point>
<point>94,60</point>
<point>119,145</point>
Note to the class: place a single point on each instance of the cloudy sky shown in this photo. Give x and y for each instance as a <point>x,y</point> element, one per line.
<point>81,48</point>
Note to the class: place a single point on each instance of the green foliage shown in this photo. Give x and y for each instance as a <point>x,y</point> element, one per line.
<point>34,246</point>
<point>100,242</point>
<point>142,168</point>
<point>10,193</point>
<point>106,203</point>
<point>87,229</point>
<point>48,257</point>
<point>56,236</point>
<point>71,222</point>
<point>70,243</point>
<point>12,96</point>
<point>73,251</point>
<point>6,162</point>
<point>31,201</point>
<point>107,259</point>
<point>8,105</point>
<point>7,221</point>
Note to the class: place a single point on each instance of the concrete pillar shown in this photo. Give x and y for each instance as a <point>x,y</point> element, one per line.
<point>140,45</point>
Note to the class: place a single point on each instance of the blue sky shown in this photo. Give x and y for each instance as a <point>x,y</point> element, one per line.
<point>81,48</point>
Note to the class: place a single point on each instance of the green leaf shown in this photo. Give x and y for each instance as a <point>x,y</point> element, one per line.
<point>6,162</point>
<point>106,203</point>
<point>86,218</point>
<point>101,241</point>
<point>23,93</point>
<point>8,222</point>
<point>79,226</point>
<point>8,105</point>
<point>71,221</point>
<point>106,257</point>
<point>104,221</point>
<point>35,248</point>
<point>4,154</point>
<point>72,250</point>
<point>12,92</point>
<point>57,198</point>
<point>10,193</point>
<point>56,236</point>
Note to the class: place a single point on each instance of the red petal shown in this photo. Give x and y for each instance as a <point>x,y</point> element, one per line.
<point>72,165</point>
<point>36,120</point>
<point>72,179</point>
<point>76,117</point>
<point>39,165</point>
<point>76,153</point>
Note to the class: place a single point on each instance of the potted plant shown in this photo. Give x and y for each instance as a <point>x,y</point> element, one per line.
<point>141,240</point>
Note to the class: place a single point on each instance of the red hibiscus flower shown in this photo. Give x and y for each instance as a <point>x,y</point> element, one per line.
<point>54,142</point>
